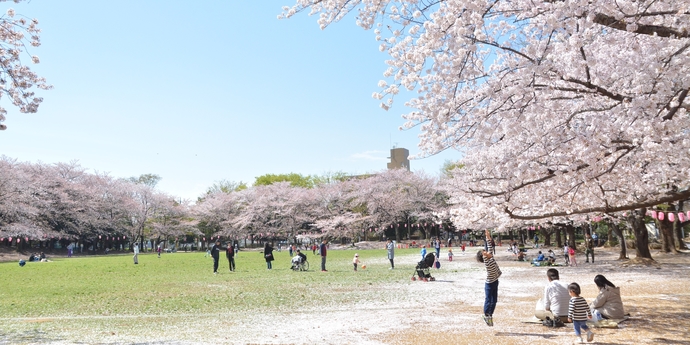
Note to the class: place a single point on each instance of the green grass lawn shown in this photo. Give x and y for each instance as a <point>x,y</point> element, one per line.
<point>184,283</point>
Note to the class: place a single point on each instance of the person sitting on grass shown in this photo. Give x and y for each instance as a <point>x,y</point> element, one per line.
<point>608,302</point>
<point>552,257</point>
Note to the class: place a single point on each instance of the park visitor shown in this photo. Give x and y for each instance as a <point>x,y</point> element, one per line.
<point>450,254</point>
<point>566,254</point>
<point>608,302</point>
<point>268,255</point>
<point>390,246</point>
<point>215,254</point>
<point>571,256</point>
<point>323,250</point>
<point>423,251</point>
<point>493,272</point>
<point>230,255</point>
<point>355,261</point>
<point>556,298</point>
<point>136,253</point>
<point>578,312</point>
<point>437,247</point>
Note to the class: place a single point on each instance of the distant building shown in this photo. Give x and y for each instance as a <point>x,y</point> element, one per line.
<point>399,159</point>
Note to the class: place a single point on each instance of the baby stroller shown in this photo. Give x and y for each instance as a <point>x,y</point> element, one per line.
<point>422,268</point>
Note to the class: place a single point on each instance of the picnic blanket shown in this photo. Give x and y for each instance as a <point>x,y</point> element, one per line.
<point>605,323</point>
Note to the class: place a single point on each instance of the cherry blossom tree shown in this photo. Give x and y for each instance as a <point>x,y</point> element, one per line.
<point>17,37</point>
<point>559,107</point>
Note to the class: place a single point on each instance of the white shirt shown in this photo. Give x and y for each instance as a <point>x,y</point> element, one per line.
<point>556,298</point>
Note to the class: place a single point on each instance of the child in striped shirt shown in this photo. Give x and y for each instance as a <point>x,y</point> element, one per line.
<point>578,312</point>
<point>491,285</point>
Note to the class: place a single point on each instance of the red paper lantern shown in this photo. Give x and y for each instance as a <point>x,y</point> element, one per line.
<point>654,214</point>
<point>681,217</point>
<point>10,239</point>
<point>660,216</point>
<point>671,217</point>
<point>26,239</point>
<point>99,237</point>
<point>19,240</point>
<point>687,216</point>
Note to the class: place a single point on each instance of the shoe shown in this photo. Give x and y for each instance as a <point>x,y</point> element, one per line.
<point>215,272</point>
<point>491,321</point>
<point>324,271</point>
<point>486,320</point>
<point>578,340</point>
<point>390,268</point>
<point>590,336</point>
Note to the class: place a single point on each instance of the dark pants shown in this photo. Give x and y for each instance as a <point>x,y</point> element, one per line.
<point>215,265</point>
<point>491,297</point>
<point>269,265</point>
<point>231,262</point>
<point>392,265</point>
<point>323,263</point>
<point>587,253</point>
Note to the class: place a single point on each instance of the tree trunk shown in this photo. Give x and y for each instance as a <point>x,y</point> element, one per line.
<point>570,231</point>
<point>613,227</point>
<point>610,235</point>
<point>636,222</point>
<point>667,245</point>
<point>559,242</point>
<point>397,232</point>
<point>678,234</point>
<point>546,234</point>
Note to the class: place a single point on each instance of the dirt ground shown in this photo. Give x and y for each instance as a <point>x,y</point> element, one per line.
<point>446,311</point>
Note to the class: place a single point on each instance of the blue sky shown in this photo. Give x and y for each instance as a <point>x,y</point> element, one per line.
<point>205,91</point>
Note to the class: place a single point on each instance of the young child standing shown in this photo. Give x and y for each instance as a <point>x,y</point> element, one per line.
<point>491,285</point>
<point>423,251</point>
<point>578,312</point>
<point>450,254</point>
<point>571,254</point>
<point>355,261</point>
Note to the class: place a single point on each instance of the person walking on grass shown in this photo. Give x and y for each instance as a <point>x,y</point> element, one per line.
<point>159,251</point>
<point>493,272</point>
<point>355,261</point>
<point>136,253</point>
<point>230,254</point>
<point>268,255</point>
<point>437,247</point>
<point>215,254</point>
<point>390,246</point>
<point>578,312</point>
<point>323,249</point>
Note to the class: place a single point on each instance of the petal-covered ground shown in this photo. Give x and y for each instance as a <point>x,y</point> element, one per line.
<point>446,311</point>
